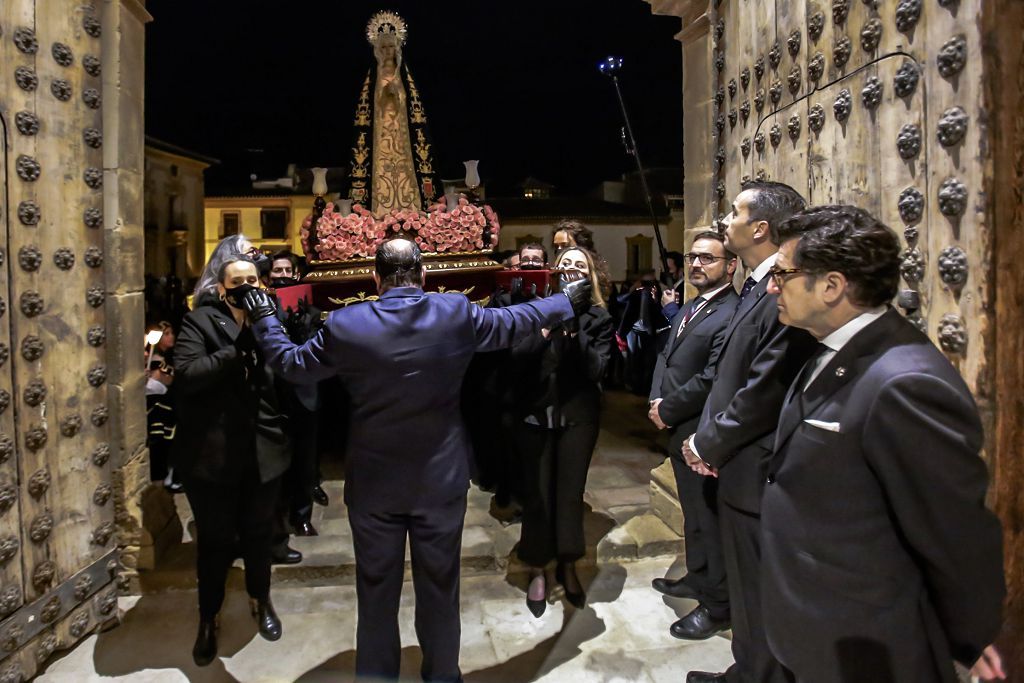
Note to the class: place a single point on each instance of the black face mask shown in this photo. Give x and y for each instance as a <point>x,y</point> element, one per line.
<point>531,266</point>
<point>234,295</point>
<point>281,282</point>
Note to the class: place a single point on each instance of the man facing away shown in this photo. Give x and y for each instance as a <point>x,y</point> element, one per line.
<point>402,361</point>
<point>880,560</point>
<point>759,359</point>
<point>682,381</point>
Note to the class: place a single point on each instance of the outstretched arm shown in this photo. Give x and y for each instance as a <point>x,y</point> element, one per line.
<point>500,328</point>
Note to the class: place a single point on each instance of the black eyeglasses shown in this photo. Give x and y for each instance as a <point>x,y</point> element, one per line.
<point>705,259</point>
<point>779,274</point>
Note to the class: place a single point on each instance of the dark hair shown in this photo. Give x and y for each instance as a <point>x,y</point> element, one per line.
<point>716,236</point>
<point>581,234</point>
<point>848,240</point>
<point>286,254</point>
<point>772,202</point>
<point>399,263</point>
<point>534,246</point>
<point>227,261</point>
<point>676,258</point>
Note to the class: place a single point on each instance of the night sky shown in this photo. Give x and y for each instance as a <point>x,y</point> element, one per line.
<point>512,83</point>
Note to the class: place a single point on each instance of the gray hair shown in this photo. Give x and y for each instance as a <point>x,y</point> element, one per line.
<point>227,247</point>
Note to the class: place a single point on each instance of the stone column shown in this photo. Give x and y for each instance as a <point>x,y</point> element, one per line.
<point>123,165</point>
<point>698,184</point>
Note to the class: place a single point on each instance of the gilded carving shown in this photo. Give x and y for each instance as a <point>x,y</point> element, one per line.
<point>952,126</point>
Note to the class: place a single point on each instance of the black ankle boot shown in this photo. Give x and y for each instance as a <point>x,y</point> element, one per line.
<point>205,649</point>
<point>266,618</point>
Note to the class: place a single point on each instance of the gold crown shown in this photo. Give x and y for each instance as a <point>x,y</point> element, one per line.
<point>386,23</point>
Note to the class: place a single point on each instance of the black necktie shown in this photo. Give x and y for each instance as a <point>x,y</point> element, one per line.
<point>809,367</point>
<point>748,285</point>
<point>695,306</point>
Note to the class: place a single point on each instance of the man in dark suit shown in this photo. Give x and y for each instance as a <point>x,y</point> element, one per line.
<point>759,359</point>
<point>682,381</point>
<point>880,560</point>
<point>402,360</point>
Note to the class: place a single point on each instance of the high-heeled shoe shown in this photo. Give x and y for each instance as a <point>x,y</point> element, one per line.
<point>537,607</point>
<point>266,618</point>
<point>563,572</point>
<point>205,649</point>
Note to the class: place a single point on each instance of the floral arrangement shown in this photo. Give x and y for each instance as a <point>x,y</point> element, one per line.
<point>466,227</point>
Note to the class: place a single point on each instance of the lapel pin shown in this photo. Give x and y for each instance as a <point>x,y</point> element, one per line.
<point>840,371</point>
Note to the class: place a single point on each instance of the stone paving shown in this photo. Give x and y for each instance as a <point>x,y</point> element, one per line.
<point>622,635</point>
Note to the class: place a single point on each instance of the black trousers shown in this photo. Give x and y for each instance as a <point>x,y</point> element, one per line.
<point>741,540</point>
<point>555,464</point>
<point>705,563</point>
<point>435,541</point>
<point>304,472</point>
<point>232,516</point>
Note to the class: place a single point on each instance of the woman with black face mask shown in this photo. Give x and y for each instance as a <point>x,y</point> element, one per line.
<point>231,448</point>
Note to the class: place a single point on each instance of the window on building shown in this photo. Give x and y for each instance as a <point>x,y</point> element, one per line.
<point>230,223</point>
<point>638,253</point>
<point>274,223</point>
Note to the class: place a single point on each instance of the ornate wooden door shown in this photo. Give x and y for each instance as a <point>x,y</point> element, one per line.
<point>57,563</point>
<point>876,103</point>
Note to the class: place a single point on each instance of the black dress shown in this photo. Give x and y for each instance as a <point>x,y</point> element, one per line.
<point>231,449</point>
<point>557,422</point>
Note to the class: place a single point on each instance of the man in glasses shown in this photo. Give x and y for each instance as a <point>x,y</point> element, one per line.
<point>682,380</point>
<point>881,561</point>
<point>759,359</point>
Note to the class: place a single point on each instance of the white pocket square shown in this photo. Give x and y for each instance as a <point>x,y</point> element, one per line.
<point>828,426</point>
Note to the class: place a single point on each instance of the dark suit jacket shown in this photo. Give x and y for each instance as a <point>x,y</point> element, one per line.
<point>402,360</point>
<point>561,376</point>
<point>686,366</point>
<point>228,404</point>
<point>759,359</point>
<point>879,556</point>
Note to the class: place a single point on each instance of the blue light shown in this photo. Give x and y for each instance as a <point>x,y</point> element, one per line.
<point>609,65</point>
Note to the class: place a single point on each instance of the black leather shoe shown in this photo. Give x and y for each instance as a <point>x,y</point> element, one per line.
<point>286,556</point>
<point>266,619</point>
<point>320,496</point>
<point>536,607</point>
<point>205,649</point>
<point>674,588</point>
<point>698,625</point>
<point>704,677</point>
<point>305,529</point>
<point>577,599</point>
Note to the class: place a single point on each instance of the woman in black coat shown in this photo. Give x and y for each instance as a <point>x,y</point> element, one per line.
<point>231,449</point>
<point>559,407</point>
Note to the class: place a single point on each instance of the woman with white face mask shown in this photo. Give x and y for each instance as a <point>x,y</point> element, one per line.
<point>231,449</point>
<point>558,398</point>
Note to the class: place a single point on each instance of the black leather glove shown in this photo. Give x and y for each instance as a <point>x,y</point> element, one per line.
<point>258,305</point>
<point>579,293</point>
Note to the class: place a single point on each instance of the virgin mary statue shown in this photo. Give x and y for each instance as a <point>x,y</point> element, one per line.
<point>392,162</point>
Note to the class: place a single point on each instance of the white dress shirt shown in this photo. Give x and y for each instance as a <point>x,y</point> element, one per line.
<point>838,339</point>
